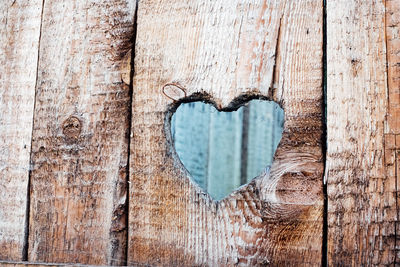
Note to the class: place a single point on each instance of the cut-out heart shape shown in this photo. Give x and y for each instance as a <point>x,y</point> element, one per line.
<point>224,150</point>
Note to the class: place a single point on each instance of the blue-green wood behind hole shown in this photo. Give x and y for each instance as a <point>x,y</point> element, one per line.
<point>209,143</point>
<point>224,152</point>
<point>190,131</point>
<point>264,134</point>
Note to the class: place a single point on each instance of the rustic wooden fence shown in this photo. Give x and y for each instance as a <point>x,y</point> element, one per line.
<point>87,172</point>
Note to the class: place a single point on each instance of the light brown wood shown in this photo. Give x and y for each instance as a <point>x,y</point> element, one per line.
<point>219,51</point>
<point>392,123</point>
<point>22,264</point>
<point>19,39</point>
<point>80,135</point>
<point>363,131</point>
<point>34,264</point>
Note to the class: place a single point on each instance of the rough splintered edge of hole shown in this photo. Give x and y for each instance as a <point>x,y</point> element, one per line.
<point>206,98</point>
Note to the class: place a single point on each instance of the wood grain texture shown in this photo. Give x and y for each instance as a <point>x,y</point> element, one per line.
<point>80,135</point>
<point>19,39</point>
<point>220,50</point>
<point>34,264</point>
<point>22,264</point>
<point>363,123</point>
<point>392,123</point>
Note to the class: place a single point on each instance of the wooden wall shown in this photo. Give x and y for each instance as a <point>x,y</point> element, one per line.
<point>19,31</point>
<point>363,121</point>
<point>88,173</point>
<point>64,130</point>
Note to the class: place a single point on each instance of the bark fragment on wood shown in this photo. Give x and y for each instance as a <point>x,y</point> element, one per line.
<point>19,35</point>
<point>363,123</point>
<point>223,50</point>
<point>80,135</point>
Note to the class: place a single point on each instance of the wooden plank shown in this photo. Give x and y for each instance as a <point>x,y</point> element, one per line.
<point>22,264</point>
<point>220,50</point>
<point>224,156</point>
<point>361,131</point>
<point>190,123</point>
<point>19,39</point>
<point>392,123</point>
<point>80,135</point>
<point>265,132</point>
<point>34,264</point>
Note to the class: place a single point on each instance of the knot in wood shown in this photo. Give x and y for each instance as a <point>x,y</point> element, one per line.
<point>72,127</point>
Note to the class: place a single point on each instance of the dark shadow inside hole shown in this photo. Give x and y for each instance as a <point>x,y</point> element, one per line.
<point>223,150</point>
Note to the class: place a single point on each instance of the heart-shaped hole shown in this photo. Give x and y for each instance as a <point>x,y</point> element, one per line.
<point>224,150</point>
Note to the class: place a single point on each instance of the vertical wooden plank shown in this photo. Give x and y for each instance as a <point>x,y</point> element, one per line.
<point>19,39</point>
<point>192,122</point>
<point>277,125</point>
<point>25,264</point>
<point>224,156</point>
<point>392,123</point>
<point>221,50</point>
<point>80,135</point>
<point>265,132</point>
<point>361,132</point>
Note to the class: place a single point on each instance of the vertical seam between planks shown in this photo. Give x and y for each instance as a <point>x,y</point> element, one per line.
<point>245,141</point>
<point>132,73</point>
<point>324,260</point>
<point>28,190</point>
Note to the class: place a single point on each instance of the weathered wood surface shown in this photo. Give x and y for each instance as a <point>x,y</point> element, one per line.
<point>22,264</point>
<point>80,135</point>
<point>222,49</point>
<point>35,264</point>
<point>225,49</point>
<point>363,132</point>
<point>392,123</point>
<point>19,39</point>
